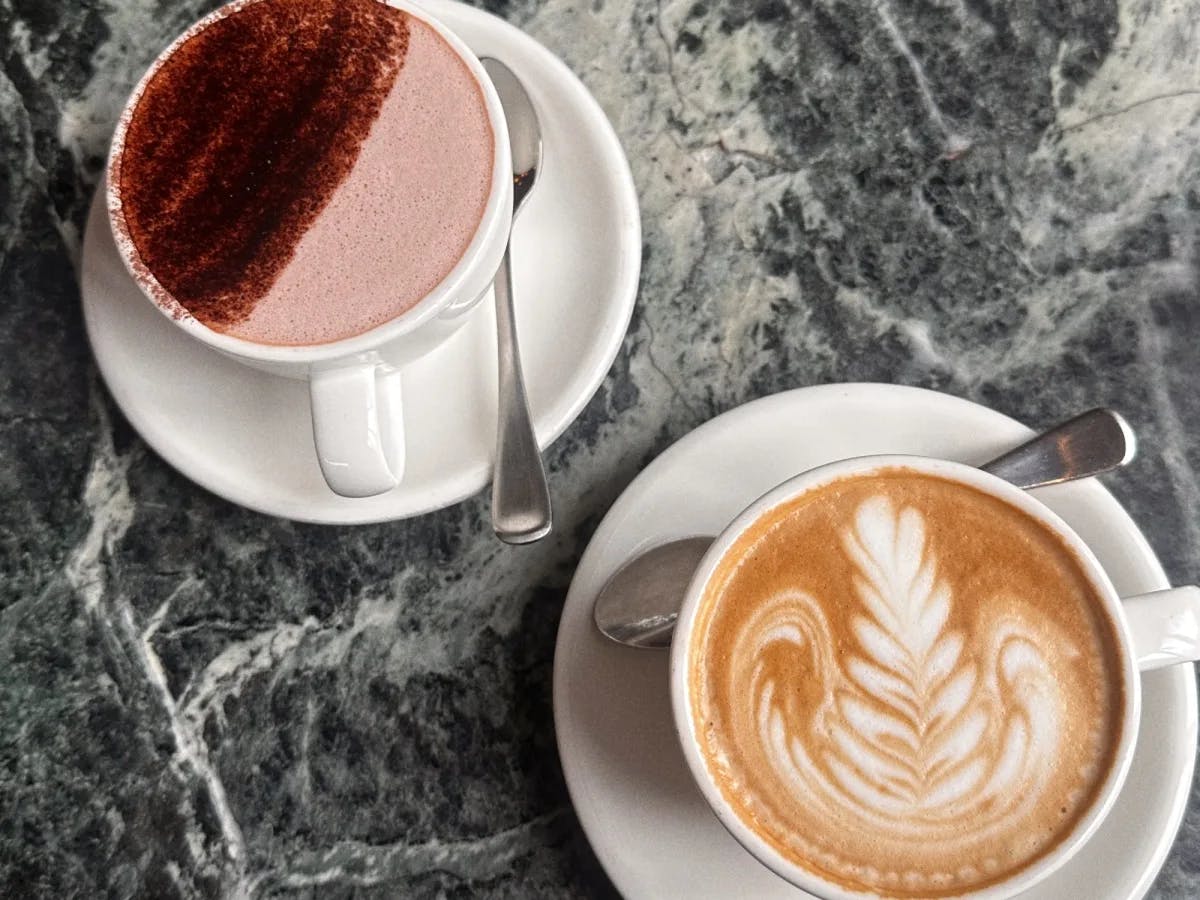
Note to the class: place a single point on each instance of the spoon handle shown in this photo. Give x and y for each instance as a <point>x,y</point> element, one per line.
<point>1091,443</point>
<point>520,496</point>
<point>639,603</point>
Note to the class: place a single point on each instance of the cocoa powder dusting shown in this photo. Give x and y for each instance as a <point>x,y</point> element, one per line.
<point>243,135</point>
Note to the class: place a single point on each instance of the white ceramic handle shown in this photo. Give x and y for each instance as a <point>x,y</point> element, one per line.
<point>358,428</point>
<point>1165,626</point>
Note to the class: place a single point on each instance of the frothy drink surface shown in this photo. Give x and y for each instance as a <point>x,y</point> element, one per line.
<point>301,171</point>
<point>905,685</point>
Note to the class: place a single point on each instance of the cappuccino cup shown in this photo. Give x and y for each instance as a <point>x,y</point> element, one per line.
<point>901,677</point>
<point>322,190</point>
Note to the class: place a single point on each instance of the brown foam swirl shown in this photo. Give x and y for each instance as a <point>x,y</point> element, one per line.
<point>904,685</point>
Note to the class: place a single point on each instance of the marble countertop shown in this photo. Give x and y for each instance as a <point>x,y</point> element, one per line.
<point>1001,201</point>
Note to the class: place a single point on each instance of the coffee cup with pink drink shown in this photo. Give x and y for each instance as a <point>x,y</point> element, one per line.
<point>320,189</point>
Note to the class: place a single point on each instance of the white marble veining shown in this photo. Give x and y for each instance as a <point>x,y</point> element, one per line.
<point>997,200</point>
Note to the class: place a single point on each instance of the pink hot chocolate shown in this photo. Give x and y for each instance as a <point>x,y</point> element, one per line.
<point>403,217</point>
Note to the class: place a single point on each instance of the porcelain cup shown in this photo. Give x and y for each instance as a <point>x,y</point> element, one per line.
<point>355,383</point>
<point>1154,630</point>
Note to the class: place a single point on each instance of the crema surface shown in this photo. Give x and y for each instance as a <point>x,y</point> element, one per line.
<point>906,685</point>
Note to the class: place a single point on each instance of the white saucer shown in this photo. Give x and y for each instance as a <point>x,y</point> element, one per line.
<point>645,819</point>
<point>247,436</point>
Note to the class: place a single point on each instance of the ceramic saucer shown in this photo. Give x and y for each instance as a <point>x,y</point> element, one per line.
<point>646,820</point>
<point>247,436</point>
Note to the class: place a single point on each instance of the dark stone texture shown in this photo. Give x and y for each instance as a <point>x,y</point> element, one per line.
<point>998,200</point>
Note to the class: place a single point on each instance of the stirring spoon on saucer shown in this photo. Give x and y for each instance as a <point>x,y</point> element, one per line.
<point>520,496</point>
<point>638,605</point>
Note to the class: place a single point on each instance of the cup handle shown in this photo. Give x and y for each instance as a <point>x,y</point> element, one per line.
<point>1165,626</point>
<point>358,428</point>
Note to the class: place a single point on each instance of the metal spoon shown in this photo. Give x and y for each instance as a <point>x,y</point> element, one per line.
<point>520,496</point>
<point>639,603</point>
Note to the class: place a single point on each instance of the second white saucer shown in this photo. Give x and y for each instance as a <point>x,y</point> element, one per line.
<point>645,818</point>
<point>247,436</point>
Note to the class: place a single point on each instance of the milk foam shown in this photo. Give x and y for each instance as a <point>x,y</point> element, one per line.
<point>402,219</point>
<point>889,738</point>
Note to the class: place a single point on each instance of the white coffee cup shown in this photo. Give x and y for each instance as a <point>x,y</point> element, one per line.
<point>354,384</point>
<point>1154,630</point>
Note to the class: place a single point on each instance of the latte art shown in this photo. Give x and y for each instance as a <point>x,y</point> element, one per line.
<point>894,696</point>
<point>913,736</point>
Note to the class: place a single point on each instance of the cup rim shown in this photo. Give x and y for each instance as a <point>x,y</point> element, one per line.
<point>964,474</point>
<point>487,243</point>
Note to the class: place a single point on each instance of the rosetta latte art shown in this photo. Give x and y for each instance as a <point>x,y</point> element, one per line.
<point>901,694</point>
<point>911,735</point>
